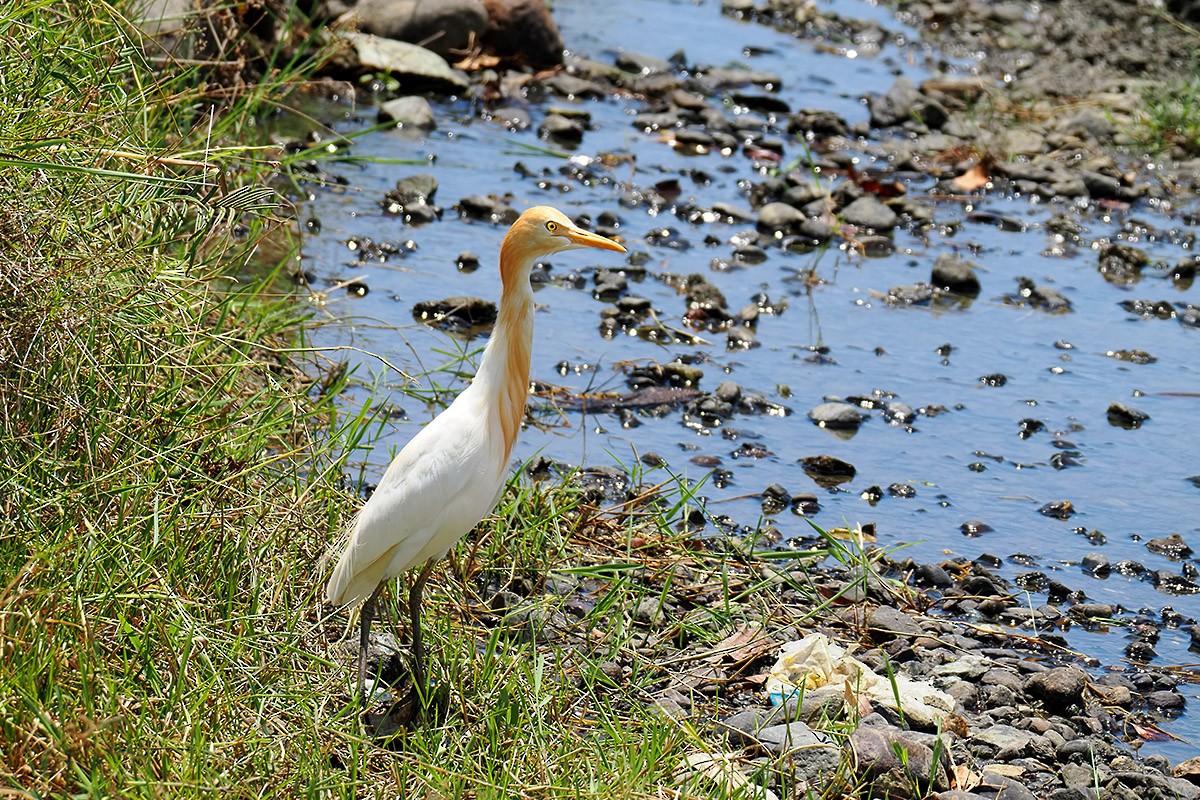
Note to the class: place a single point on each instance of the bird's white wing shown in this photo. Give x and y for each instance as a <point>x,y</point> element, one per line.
<point>427,500</point>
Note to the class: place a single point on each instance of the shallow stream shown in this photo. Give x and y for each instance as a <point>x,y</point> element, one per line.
<point>975,451</point>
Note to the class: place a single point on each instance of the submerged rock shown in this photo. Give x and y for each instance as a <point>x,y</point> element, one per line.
<point>1124,416</point>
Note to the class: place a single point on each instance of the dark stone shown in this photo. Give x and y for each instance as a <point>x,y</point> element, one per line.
<point>1172,546</point>
<point>954,274</point>
<point>932,575</point>
<point>1127,417</point>
<point>827,471</point>
<point>523,31</point>
<point>455,310</point>
<point>1060,689</point>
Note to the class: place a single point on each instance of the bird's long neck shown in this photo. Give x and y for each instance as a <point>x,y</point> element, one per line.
<point>504,371</point>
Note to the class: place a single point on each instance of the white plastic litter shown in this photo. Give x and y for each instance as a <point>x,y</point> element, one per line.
<point>816,661</point>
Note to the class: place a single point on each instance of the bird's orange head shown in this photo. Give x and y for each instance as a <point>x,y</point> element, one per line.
<point>543,231</point>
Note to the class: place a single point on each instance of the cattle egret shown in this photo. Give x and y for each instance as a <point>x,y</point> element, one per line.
<point>451,473</point>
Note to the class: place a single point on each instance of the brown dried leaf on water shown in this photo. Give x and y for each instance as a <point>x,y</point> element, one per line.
<point>974,178</point>
<point>745,644</point>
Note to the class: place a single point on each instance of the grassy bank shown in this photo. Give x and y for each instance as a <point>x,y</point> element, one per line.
<point>167,473</point>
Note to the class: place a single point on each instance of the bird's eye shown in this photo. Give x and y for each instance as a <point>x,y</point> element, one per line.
<point>552,226</point>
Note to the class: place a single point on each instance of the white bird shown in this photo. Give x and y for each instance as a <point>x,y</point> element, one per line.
<point>451,473</point>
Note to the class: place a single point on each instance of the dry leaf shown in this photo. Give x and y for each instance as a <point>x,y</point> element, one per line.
<point>965,779</point>
<point>974,178</point>
<point>475,63</point>
<point>745,644</point>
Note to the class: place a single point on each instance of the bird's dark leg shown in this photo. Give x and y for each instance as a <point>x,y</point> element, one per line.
<point>414,614</point>
<point>365,615</point>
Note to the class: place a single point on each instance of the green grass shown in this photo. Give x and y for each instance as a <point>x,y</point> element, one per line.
<point>1170,122</point>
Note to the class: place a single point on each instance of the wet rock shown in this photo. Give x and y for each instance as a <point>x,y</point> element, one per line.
<point>1147,309</point>
<point>574,88</point>
<point>442,26</point>
<point>556,126</point>
<point>816,123</point>
<point>932,575</point>
<point>895,106</point>
<point>775,498</point>
<point>780,219</point>
<point>915,294</point>
<point>827,471</point>
<point>868,212</point>
<point>1127,417</point>
<point>899,413</point>
<point>1043,298</point>
<point>487,208</point>
<point>805,504</point>
<point>523,31</point>
<point>642,64</point>
<point>1172,546</point>
<point>657,121</point>
<point>412,199</point>
<point>895,765</point>
<point>954,274</point>
<point>974,527</point>
<point>455,312</point>
<point>409,113</point>
<point>418,67</point>
<point>467,261</point>
<point>1122,263</point>
<point>836,415</point>
<point>701,293</point>
<point>1090,611</point>
<point>1131,356</point>
<point>1097,564</point>
<point>1059,509</point>
<point>1060,689</point>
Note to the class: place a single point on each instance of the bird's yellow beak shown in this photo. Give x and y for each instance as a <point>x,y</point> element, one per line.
<point>581,238</point>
